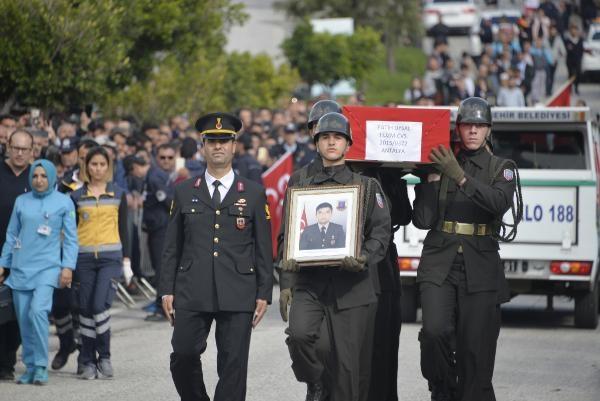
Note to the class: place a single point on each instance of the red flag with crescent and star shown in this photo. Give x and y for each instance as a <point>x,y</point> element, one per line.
<point>303,220</point>
<point>275,180</point>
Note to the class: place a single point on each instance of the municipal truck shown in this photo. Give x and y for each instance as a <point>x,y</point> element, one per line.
<point>555,251</point>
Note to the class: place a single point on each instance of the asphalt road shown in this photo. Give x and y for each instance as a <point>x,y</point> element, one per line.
<point>541,357</point>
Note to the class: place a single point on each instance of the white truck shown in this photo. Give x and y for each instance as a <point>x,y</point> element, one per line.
<point>555,251</point>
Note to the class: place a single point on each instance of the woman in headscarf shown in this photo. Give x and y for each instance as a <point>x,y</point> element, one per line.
<point>39,261</point>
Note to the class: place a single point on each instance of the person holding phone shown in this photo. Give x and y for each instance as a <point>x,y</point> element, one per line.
<point>217,266</point>
<point>38,221</point>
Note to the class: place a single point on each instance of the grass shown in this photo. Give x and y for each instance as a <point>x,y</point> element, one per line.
<point>382,87</point>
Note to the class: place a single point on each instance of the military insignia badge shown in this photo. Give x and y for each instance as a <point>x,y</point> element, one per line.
<point>194,200</point>
<point>508,174</point>
<point>241,188</point>
<point>379,199</point>
<point>240,223</point>
<point>267,212</point>
<point>171,208</point>
<point>218,125</point>
<point>341,206</point>
<point>332,240</point>
<point>197,183</point>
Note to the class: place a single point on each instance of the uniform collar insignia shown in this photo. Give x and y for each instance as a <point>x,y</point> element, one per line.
<point>198,182</point>
<point>240,186</point>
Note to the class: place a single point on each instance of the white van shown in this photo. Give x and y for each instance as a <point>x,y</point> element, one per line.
<point>555,251</point>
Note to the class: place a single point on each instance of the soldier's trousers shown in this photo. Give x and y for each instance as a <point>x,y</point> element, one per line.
<point>232,336</point>
<point>348,331</point>
<point>458,338</point>
<point>386,341</point>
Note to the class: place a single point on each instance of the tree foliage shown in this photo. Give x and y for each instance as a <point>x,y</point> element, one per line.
<point>205,83</point>
<point>327,58</point>
<point>394,19</point>
<point>55,53</point>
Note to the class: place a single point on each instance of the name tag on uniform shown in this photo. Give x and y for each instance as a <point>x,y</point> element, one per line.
<point>44,230</point>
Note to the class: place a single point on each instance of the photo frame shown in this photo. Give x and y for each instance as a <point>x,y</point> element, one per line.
<point>323,224</point>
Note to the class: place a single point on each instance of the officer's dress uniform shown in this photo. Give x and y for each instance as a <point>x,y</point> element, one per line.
<point>217,262</point>
<point>460,276</point>
<point>316,236</point>
<point>345,300</point>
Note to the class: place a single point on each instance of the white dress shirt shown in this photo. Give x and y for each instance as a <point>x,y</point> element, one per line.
<point>226,183</point>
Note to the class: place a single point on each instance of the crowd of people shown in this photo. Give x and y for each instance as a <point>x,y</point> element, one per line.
<point>131,168</point>
<point>518,61</point>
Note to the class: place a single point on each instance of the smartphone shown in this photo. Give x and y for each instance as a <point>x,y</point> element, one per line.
<point>35,116</point>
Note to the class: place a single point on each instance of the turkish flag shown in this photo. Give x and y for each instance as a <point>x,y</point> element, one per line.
<point>562,97</point>
<point>401,136</point>
<point>275,180</point>
<point>303,220</point>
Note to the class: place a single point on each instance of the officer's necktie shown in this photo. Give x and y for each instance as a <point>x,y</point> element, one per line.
<point>216,197</point>
<point>323,231</point>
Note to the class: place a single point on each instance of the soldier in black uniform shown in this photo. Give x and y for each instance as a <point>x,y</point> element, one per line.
<point>460,275</point>
<point>323,234</point>
<point>318,110</point>
<point>385,339</point>
<point>344,297</point>
<point>217,265</point>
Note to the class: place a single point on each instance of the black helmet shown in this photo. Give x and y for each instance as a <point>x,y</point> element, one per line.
<point>333,122</point>
<point>474,110</point>
<point>321,108</point>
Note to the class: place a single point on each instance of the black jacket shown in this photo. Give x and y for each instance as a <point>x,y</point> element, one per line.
<point>477,201</point>
<point>218,260</point>
<point>350,289</point>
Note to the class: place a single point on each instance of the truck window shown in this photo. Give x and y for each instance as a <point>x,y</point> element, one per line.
<point>555,150</point>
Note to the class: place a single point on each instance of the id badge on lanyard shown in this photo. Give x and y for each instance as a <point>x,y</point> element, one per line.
<point>44,229</point>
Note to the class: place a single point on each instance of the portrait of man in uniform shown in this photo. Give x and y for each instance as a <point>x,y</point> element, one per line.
<point>322,224</point>
<point>324,233</point>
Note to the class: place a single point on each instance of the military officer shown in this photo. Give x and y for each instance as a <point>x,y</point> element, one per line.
<point>459,274</point>
<point>216,266</point>
<point>344,296</point>
<point>324,233</point>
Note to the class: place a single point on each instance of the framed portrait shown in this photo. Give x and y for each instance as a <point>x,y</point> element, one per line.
<point>323,224</point>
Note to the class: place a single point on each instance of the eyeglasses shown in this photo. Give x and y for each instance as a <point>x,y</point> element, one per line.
<point>17,149</point>
<point>166,157</point>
